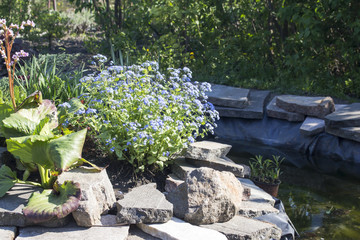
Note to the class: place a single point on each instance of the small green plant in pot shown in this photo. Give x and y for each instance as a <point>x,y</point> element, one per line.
<point>266,173</point>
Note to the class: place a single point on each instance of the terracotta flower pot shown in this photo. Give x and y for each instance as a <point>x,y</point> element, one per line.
<point>270,188</point>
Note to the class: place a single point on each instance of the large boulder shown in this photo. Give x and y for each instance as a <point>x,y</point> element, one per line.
<point>213,196</point>
<point>97,194</point>
<point>144,204</point>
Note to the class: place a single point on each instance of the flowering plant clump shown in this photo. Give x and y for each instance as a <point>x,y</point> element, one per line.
<point>7,37</point>
<point>142,115</point>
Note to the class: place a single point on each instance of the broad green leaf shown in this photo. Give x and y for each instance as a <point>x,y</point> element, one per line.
<point>53,203</point>
<point>25,121</point>
<point>66,150</point>
<point>32,149</point>
<point>7,179</point>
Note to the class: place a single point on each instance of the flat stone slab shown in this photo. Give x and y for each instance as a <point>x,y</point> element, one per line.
<point>226,96</point>
<point>312,126</point>
<point>144,204</point>
<point>7,233</point>
<point>257,194</point>
<point>311,106</point>
<point>242,228</point>
<point>348,116</point>
<point>181,168</point>
<point>275,112</point>
<point>176,229</point>
<point>255,109</point>
<point>72,231</point>
<point>221,164</point>
<point>254,209</point>
<point>12,204</point>
<point>207,150</point>
<point>352,133</point>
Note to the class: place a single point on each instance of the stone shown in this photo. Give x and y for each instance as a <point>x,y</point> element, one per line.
<point>207,150</point>
<point>312,126</point>
<point>136,233</point>
<point>348,116</point>
<point>181,168</point>
<point>275,112</point>
<point>12,204</point>
<point>72,231</point>
<point>176,193</point>
<point>97,194</point>
<point>221,164</point>
<point>311,106</point>
<point>226,96</point>
<point>352,133</point>
<point>7,233</point>
<point>213,196</point>
<point>144,204</point>
<point>252,209</point>
<point>255,109</point>
<point>242,228</point>
<point>176,229</point>
<point>257,194</point>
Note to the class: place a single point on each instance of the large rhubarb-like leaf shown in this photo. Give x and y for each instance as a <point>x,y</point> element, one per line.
<point>25,121</point>
<point>66,150</point>
<point>56,203</point>
<point>7,179</point>
<point>31,149</point>
<point>56,154</point>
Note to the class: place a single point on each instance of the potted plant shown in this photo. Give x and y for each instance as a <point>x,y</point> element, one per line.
<point>265,173</point>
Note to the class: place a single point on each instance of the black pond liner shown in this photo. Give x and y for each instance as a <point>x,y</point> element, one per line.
<point>281,220</point>
<point>323,152</point>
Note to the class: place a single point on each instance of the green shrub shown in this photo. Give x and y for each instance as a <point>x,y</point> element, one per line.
<point>141,115</point>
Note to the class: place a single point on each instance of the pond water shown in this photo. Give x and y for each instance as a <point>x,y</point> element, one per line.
<point>319,205</point>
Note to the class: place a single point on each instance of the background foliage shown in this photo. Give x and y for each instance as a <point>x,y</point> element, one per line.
<point>298,46</point>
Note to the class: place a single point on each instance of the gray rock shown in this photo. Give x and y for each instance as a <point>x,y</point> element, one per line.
<point>74,232</point>
<point>207,150</point>
<point>352,133</point>
<point>254,209</point>
<point>348,116</point>
<point>242,228</point>
<point>136,233</point>
<point>7,233</point>
<point>226,96</point>
<point>311,106</point>
<point>255,109</point>
<point>275,112</point>
<point>176,193</point>
<point>221,164</point>
<point>97,194</point>
<point>312,126</point>
<point>257,194</point>
<point>176,229</point>
<point>213,196</point>
<point>12,204</point>
<point>144,204</point>
<point>181,168</point>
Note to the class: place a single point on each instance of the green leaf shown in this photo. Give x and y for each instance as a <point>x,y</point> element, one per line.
<point>25,121</point>
<point>31,149</point>
<point>7,179</point>
<point>56,203</point>
<point>66,150</point>
<point>48,151</point>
